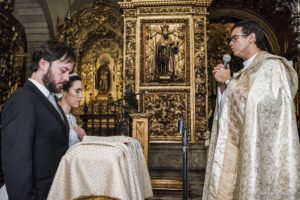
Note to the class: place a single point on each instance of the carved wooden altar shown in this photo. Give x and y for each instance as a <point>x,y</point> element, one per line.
<point>165,55</point>
<point>140,131</point>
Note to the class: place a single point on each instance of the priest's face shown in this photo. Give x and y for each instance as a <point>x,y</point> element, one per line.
<point>57,73</point>
<point>239,43</point>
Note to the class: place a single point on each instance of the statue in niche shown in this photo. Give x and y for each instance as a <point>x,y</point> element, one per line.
<point>103,79</point>
<point>166,49</point>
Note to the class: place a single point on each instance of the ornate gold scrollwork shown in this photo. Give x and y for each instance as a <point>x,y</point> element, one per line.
<point>127,4</point>
<point>200,10</point>
<point>130,13</point>
<point>170,64</point>
<point>165,109</point>
<point>218,45</point>
<point>164,10</point>
<point>201,87</point>
<point>12,51</point>
<point>96,34</point>
<point>130,49</point>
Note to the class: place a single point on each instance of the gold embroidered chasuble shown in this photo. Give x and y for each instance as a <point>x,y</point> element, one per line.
<point>254,150</point>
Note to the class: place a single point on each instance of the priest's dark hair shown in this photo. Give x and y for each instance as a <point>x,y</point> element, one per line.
<point>249,27</point>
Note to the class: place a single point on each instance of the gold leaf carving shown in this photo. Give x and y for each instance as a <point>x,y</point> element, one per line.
<point>166,108</point>
<point>200,79</point>
<point>130,32</point>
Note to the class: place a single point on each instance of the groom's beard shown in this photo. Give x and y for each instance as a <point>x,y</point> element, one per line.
<point>49,82</point>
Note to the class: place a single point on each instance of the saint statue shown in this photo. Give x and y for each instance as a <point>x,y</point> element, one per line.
<point>166,49</point>
<point>103,79</point>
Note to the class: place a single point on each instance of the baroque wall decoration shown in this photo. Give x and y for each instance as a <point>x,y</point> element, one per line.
<point>165,55</point>
<point>12,50</point>
<point>130,52</point>
<point>96,33</point>
<point>201,86</point>
<point>166,64</point>
<point>165,110</point>
<point>218,45</point>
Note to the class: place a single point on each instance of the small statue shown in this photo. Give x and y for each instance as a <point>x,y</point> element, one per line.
<point>166,49</point>
<point>103,79</point>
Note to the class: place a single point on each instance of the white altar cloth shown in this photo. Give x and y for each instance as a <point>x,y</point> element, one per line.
<point>102,166</point>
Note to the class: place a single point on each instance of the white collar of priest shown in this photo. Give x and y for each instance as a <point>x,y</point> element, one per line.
<point>248,62</point>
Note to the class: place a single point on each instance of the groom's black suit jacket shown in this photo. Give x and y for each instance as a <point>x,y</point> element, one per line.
<point>34,139</point>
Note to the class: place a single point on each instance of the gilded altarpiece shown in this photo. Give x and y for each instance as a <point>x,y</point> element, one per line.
<point>130,52</point>
<point>12,52</point>
<point>96,33</point>
<point>165,56</point>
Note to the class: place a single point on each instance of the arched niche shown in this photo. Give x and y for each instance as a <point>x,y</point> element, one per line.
<point>96,34</point>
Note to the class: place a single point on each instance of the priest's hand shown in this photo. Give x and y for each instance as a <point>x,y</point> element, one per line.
<point>222,75</point>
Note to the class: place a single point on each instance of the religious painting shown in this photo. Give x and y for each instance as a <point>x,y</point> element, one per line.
<point>164,52</point>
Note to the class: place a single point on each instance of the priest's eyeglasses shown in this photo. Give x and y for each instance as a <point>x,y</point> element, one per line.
<point>235,37</point>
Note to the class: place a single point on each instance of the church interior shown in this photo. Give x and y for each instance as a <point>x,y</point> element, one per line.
<point>133,85</point>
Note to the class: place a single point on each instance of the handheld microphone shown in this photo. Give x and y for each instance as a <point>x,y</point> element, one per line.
<point>226,60</point>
